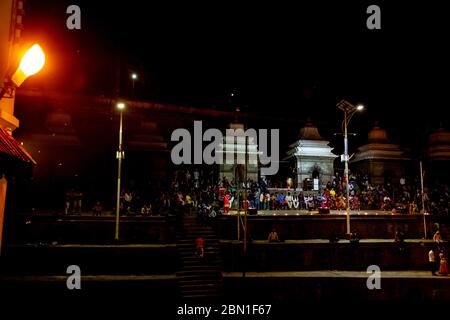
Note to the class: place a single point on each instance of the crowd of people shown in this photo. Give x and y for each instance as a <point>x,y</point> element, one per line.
<point>402,197</point>
<point>197,190</point>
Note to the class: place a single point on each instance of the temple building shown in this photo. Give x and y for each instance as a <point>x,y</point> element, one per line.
<point>236,150</point>
<point>57,147</point>
<point>58,151</point>
<point>439,145</point>
<point>438,155</point>
<point>313,159</point>
<point>148,145</point>
<point>381,160</point>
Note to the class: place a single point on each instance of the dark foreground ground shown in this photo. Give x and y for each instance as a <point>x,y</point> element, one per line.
<point>296,278</point>
<point>321,295</point>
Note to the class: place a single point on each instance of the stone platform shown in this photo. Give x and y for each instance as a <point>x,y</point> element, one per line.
<point>302,224</point>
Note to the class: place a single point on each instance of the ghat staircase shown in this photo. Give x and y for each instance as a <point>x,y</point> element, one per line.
<point>199,279</point>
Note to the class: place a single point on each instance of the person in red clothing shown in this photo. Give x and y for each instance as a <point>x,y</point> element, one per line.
<point>200,246</point>
<point>443,267</point>
<point>226,204</point>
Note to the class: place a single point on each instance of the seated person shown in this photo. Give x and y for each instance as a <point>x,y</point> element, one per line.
<point>354,238</point>
<point>145,210</point>
<point>399,236</point>
<point>97,209</point>
<point>437,238</point>
<point>273,236</point>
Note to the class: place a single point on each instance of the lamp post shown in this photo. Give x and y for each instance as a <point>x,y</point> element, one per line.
<point>349,110</point>
<point>423,202</point>
<point>120,155</point>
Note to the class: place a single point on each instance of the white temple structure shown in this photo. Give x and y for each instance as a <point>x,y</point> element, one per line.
<point>235,149</point>
<point>313,159</point>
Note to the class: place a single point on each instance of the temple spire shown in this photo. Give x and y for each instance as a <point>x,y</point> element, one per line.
<point>309,131</point>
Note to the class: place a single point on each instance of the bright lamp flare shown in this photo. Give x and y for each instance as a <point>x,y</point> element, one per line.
<point>31,63</point>
<point>33,60</point>
<point>121,105</point>
<point>360,107</point>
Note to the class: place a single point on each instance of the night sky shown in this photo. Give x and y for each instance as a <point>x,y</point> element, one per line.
<point>279,58</point>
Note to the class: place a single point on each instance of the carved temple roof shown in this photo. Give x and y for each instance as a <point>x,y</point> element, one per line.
<point>310,144</point>
<point>378,147</point>
<point>310,132</point>
<point>439,145</point>
<point>441,136</point>
<point>377,135</point>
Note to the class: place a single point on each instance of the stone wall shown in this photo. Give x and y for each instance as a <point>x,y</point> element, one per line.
<point>321,226</point>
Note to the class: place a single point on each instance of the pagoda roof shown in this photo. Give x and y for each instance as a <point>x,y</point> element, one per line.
<point>310,132</point>
<point>379,147</point>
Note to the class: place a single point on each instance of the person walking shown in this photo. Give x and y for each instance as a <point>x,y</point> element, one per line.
<point>200,246</point>
<point>226,204</point>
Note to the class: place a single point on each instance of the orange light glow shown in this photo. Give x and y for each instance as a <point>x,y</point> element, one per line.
<point>32,62</point>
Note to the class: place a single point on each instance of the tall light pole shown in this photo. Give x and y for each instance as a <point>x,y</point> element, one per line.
<point>120,156</point>
<point>349,110</point>
<point>423,201</point>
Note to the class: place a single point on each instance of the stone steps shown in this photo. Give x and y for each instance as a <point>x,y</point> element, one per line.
<point>199,278</point>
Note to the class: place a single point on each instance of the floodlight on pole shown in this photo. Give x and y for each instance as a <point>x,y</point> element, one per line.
<point>349,110</point>
<point>134,77</point>
<point>120,155</point>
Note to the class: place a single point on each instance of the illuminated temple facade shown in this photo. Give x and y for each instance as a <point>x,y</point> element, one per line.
<point>313,159</point>
<point>236,149</point>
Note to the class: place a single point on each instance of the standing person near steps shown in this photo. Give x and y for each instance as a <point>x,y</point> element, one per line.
<point>200,246</point>
<point>432,262</point>
<point>443,267</point>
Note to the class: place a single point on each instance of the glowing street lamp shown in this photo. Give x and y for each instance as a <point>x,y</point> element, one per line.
<point>349,110</point>
<point>32,62</point>
<point>121,106</point>
<point>120,155</point>
<point>134,77</point>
